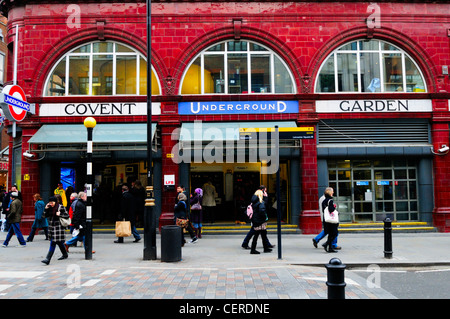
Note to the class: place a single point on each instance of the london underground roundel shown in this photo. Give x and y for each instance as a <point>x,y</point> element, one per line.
<point>14,103</point>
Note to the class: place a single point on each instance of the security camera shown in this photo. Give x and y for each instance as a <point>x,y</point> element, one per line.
<point>28,154</point>
<point>444,149</point>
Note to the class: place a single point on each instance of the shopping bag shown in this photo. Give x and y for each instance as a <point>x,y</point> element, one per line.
<point>123,229</point>
<point>332,218</point>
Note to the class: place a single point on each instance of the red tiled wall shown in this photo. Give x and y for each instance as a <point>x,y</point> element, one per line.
<point>302,33</point>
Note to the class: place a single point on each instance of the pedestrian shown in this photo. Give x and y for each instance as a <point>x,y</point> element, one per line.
<point>7,202</point>
<point>14,218</point>
<point>78,220</point>
<point>54,210</point>
<point>39,219</point>
<point>61,192</point>
<point>259,222</point>
<point>321,235</point>
<point>330,229</point>
<point>209,201</point>
<point>196,212</point>
<point>128,213</point>
<point>180,217</point>
<point>251,232</point>
<point>69,192</point>
<point>72,201</point>
<point>138,192</point>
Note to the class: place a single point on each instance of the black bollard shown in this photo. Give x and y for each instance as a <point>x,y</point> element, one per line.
<point>335,279</point>
<point>170,243</point>
<point>387,238</point>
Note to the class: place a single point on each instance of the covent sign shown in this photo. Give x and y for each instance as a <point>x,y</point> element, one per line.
<point>97,109</point>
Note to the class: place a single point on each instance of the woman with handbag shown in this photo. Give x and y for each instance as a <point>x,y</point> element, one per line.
<point>54,211</point>
<point>196,211</point>
<point>330,225</point>
<point>259,222</point>
<point>181,218</point>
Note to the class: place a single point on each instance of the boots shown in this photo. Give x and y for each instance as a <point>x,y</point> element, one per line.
<point>49,257</point>
<point>61,246</point>
<point>253,250</point>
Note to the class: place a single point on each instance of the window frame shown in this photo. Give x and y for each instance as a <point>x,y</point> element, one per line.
<point>115,53</point>
<point>249,53</point>
<point>358,51</point>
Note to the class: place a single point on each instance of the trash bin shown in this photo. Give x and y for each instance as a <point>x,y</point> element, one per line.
<point>170,243</point>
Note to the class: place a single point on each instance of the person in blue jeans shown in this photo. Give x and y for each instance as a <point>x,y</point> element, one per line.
<point>78,220</point>
<point>14,218</point>
<point>322,234</point>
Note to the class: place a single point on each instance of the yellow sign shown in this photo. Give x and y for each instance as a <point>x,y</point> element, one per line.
<point>26,177</point>
<point>169,155</point>
<point>280,129</point>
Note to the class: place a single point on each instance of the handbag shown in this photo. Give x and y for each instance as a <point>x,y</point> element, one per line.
<point>182,222</point>
<point>196,206</point>
<point>123,229</point>
<point>65,221</point>
<point>332,218</point>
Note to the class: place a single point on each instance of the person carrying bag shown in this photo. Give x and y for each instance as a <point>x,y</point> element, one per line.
<point>330,220</point>
<point>181,218</point>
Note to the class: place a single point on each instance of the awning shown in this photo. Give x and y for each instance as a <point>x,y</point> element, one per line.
<point>51,135</point>
<point>225,131</point>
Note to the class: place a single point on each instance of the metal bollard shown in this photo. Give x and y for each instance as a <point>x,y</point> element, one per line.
<point>170,243</point>
<point>387,238</point>
<point>335,279</point>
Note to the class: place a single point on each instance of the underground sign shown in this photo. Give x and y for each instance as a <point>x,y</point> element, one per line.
<point>14,103</point>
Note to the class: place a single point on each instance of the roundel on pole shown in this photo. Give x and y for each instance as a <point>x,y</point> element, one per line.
<point>14,103</point>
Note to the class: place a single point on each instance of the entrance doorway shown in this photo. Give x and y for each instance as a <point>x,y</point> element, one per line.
<point>235,185</point>
<point>108,180</point>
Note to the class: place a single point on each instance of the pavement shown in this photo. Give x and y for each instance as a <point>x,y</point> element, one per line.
<point>214,268</point>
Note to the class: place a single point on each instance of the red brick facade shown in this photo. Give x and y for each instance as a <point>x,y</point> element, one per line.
<point>303,34</point>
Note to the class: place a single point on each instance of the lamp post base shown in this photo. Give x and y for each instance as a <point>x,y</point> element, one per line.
<point>149,234</point>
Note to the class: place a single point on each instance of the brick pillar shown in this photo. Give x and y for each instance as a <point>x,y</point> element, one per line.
<point>169,167</point>
<point>29,182</point>
<point>441,168</point>
<point>310,222</point>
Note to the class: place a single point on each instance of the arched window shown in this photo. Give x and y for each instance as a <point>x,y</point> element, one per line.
<point>100,68</point>
<point>369,67</point>
<point>237,67</point>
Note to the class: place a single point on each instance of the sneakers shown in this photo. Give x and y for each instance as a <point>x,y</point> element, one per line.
<point>193,240</point>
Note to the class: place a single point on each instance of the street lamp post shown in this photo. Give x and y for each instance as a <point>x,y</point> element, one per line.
<point>149,214</point>
<point>89,123</point>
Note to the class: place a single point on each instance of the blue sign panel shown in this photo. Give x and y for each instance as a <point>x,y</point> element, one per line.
<point>16,102</point>
<point>385,183</point>
<point>362,183</point>
<point>237,107</point>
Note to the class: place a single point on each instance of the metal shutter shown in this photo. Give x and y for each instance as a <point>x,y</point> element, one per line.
<point>378,131</point>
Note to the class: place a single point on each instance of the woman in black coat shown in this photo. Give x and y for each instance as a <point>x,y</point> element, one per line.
<point>180,212</point>
<point>329,228</point>
<point>53,211</point>
<point>259,222</point>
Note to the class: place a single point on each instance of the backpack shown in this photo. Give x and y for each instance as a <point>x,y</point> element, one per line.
<point>250,211</point>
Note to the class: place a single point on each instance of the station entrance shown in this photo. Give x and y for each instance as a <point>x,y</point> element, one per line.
<point>235,185</point>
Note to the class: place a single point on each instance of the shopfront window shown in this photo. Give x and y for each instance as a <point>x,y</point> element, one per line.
<point>237,67</point>
<point>100,68</point>
<point>369,67</point>
<point>371,190</point>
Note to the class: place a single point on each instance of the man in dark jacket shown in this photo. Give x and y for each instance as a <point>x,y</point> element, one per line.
<point>78,220</point>
<point>7,201</point>
<point>14,218</point>
<point>128,212</point>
